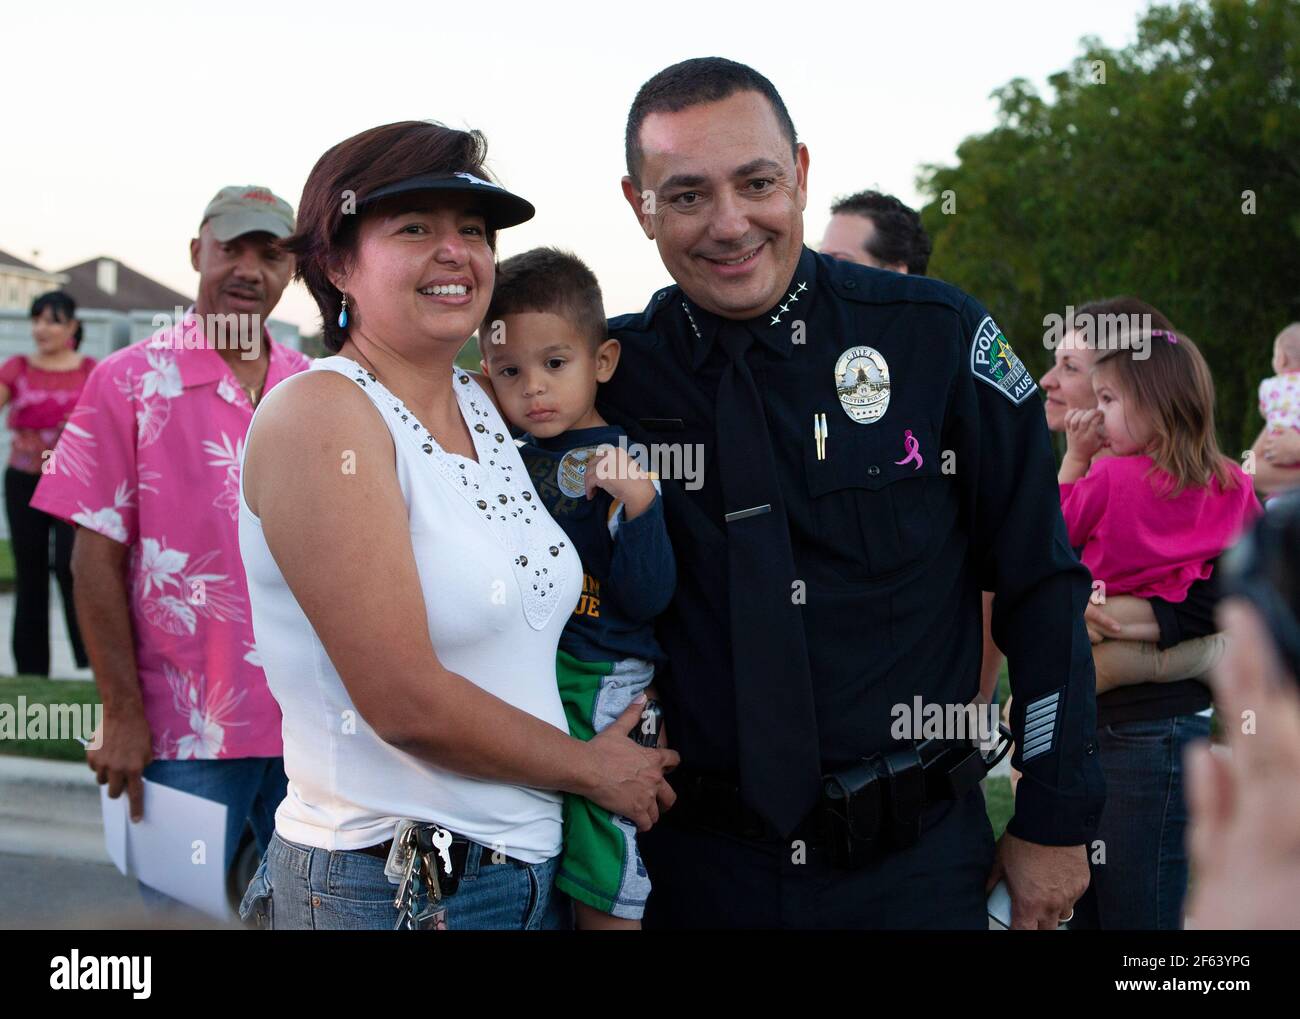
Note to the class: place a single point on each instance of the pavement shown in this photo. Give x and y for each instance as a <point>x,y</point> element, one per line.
<point>54,870</point>
<point>51,893</point>
<point>50,809</point>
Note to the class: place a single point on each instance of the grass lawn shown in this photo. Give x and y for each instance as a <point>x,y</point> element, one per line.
<point>998,799</point>
<point>37,689</point>
<point>6,565</point>
<point>998,802</point>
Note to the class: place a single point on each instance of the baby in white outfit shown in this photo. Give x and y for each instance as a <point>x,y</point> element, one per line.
<point>1279,395</point>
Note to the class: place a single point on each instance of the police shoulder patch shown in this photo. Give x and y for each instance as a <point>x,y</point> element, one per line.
<point>994,362</point>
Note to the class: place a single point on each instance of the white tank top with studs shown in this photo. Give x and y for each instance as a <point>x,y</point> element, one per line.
<point>500,580</point>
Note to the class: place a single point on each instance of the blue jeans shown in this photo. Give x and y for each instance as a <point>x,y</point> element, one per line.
<point>1143,881</point>
<point>300,887</point>
<point>250,787</point>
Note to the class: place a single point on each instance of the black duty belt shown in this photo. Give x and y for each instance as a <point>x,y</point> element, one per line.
<point>867,809</point>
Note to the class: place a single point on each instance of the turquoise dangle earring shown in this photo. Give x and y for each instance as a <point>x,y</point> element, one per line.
<point>343,313</point>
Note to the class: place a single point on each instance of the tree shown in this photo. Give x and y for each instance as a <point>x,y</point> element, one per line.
<point>1168,170</point>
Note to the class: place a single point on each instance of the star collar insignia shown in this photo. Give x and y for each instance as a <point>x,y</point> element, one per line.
<point>790,299</point>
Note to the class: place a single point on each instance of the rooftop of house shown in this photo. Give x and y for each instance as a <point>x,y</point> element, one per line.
<point>14,260</point>
<point>107,283</point>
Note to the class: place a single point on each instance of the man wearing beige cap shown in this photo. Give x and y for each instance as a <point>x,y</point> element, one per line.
<point>242,272</point>
<point>148,467</point>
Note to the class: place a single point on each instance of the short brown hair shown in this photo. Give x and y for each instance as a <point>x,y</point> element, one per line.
<point>1172,386</point>
<point>352,170</point>
<point>548,279</point>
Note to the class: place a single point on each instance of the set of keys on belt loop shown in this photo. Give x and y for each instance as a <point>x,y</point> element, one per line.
<point>820,432</point>
<point>417,851</point>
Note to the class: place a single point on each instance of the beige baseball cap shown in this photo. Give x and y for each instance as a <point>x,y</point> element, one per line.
<point>246,209</point>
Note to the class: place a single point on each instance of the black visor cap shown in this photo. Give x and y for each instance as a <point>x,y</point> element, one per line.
<point>500,208</point>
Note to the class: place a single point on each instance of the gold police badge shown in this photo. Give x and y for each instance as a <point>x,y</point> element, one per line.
<point>862,384</point>
<point>571,474</point>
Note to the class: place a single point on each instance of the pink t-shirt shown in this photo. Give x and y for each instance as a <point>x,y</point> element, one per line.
<point>150,458</point>
<point>39,402</point>
<point>1147,545</point>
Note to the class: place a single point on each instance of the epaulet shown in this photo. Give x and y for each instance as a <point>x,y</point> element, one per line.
<point>865,285</point>
<point>642,321</point>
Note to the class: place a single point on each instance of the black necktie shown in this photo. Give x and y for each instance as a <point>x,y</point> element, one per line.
<point>780,770</point>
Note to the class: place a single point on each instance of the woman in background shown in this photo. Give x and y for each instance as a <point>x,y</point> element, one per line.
<point>1139,858</point>
<point>40,391</point>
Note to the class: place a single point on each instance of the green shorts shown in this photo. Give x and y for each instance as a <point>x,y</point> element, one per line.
<point>600,865</point>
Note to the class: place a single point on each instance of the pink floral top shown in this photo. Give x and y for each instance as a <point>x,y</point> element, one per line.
<point>39,402</point>
<point>150,458</point>
<point>1279,401</point>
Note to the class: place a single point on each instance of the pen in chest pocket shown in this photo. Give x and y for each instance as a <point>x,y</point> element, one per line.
<point>820,433</point>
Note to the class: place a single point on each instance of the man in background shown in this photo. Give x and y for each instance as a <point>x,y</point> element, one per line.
<point>148,468</point>
<point>877,230</point>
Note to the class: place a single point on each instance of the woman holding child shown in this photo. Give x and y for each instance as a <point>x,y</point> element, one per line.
<point>408,588</point>
<point>1150,502</point>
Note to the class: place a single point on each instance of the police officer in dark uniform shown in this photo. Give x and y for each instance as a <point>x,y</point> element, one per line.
<point>874,456</point>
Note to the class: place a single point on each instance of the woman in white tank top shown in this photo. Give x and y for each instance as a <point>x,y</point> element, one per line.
<point>408,589</point>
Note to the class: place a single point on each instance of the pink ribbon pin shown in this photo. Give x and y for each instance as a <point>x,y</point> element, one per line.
<point>913,448</point>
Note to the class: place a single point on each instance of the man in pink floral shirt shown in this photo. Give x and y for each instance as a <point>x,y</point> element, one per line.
<point>148,468</point>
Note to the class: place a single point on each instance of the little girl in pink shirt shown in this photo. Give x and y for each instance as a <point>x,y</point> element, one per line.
<point>1152,515</point>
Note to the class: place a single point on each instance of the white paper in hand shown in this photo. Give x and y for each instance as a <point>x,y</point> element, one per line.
<point>999,905</point>
<point>178,848</point>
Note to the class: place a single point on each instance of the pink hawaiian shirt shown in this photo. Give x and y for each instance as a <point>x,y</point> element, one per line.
<point>150,458</point>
